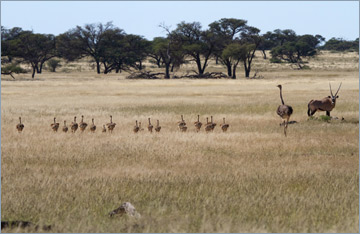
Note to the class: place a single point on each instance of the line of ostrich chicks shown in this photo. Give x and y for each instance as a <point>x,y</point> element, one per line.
<point>209,126</point>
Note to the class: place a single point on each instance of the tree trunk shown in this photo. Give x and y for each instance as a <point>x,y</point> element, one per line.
<point>217,60</point>
<point>105,68</point>
<point>247,69</point>
<point>228,66</point>
<point>198,63</point>
<point>41,66</point>
<point>247,73</point>
<point>98,66</point>
<point>33,73</point>
<point>264,53</point>
<point>37,69</point>
<point>172,68</point>
<point>167,68</point>
<point>234,72</point>
<point>140,65</point>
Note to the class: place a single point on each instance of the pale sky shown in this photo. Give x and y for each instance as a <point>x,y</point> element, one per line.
<point>327,18</point>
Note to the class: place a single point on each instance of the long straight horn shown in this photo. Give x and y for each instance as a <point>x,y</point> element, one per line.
<point>331,90</point>
<point>338,89</point>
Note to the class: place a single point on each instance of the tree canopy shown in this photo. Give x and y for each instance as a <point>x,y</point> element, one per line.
<point>229,40</point>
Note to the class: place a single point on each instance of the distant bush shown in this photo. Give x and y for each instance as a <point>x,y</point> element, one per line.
<point>339,44</point>
<point>11,69</point>
<point>53,64</point>
<point>275,60</point>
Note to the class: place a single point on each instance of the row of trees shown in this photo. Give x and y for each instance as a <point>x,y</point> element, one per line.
<point>230,41</point>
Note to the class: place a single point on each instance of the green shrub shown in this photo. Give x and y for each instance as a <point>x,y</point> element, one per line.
<point>53,64</point>
<point>275,60</point>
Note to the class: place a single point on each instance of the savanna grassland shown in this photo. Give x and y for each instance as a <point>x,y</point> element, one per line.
<point>249,179</point>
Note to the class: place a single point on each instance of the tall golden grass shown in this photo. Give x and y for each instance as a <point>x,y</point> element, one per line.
<point>250,179</point>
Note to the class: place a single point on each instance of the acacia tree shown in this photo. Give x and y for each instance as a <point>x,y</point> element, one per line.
<point>34,49</point>
<point>234,53</point>
<point>7,35</point>
<point>138,49</point>
<point>339,44</point>
<point>225,31</point>
<point>195,43</point>
<point>168,52</point>
<point>267,43</point>
<point>84,41</point>
<point>294,52</point>
<point>251,40</point>
<point>122,52</point>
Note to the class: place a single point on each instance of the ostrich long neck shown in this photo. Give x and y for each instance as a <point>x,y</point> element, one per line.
<point>20,120</point>
<point>282,100</point>
<point>198,118</point>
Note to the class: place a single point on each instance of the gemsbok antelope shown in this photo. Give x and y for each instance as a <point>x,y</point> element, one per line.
<point>325,104</point>
<point>20,126</point>
<point>284,111</point>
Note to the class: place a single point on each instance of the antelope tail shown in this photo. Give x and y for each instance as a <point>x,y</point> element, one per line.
<point>309,111</point>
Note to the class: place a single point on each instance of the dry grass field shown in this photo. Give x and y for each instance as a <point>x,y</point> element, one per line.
<point>249,179</point>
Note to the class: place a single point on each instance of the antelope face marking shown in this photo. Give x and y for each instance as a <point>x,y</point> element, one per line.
<point>333,99</point>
